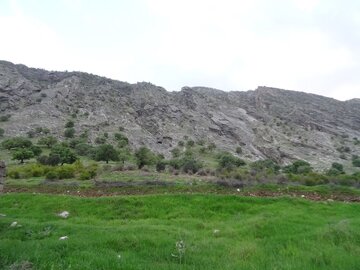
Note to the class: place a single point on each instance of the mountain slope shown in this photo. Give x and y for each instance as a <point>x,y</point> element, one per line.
<point>267,123</point>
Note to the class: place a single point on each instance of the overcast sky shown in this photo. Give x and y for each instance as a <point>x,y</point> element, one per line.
<point>305,45</point>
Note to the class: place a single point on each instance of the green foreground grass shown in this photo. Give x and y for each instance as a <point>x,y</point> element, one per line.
<point>140,232</point>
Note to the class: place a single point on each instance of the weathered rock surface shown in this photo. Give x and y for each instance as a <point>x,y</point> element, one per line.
<point>266,123</point>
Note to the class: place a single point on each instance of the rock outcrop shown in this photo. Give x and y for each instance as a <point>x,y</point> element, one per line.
<point>266,123</point>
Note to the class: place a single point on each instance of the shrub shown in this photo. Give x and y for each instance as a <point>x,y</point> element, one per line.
<point>160,166</point>
<point>356,162</point>
<point>30,134</point>
<point>211,146</point>
<point>2,131</point>
<point>51,175</point>
<point>181,143</point>
<point>200,142</point>
<point>228,161</point>
<point>238,150</point>
<point>190,165</point>
<point>175,152</point>
<point>344,149</point>
<point>65,172</point>
<point>69,133</point>
<point>69,124</point>
<point>4,118</point>
<point>265,165</point>
<point>121,139</point>
<point>190,143</point>
<point>100,140</point>
<point>298,167</point>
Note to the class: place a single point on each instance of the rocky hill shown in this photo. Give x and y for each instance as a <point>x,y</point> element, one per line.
<point>266,123</point>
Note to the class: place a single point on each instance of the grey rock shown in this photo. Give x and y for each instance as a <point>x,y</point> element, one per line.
<point>267,122</point>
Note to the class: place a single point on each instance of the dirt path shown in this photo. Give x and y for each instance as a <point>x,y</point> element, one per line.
<point>100,192</point>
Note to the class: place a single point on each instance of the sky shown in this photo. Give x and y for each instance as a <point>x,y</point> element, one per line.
<point>305,45</point>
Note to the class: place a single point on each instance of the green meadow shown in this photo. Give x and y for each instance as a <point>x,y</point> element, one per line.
<point>177,232</point>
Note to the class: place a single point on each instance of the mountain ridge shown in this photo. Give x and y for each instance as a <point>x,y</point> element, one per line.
<point>266,122</point>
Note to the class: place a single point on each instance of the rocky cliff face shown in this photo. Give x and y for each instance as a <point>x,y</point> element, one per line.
<point>266,123</point>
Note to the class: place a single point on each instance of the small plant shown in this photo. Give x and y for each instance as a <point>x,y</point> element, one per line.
<point>180,250</point>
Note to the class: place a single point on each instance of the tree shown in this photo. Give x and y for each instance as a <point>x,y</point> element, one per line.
<point>36,150</point>
<point>106,152</point>
<point>22,154</point>
<point>190,165</point>
<point>17,142</point>
<point>65,154</point>
<point>49,141</point>
<point>144,156</point>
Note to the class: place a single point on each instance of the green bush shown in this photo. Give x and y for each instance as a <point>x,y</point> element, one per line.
<point>4,118</point>
<point>100,140</point>
<point>51,175</point>
<point>69,133</point>
<point>190,143</point>
<point>298,167</point>
<point>69,124</point>
<point>121,139</point>
<point>65,172</point>
<point>356,162</point>
<point>228,161</point>
<point>2,131</point>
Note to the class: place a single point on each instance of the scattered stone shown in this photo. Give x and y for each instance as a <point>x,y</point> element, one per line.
<point>330,200</point>
<point>119,256</point>
<point>238,190</point>
<point>64,214</point>
<point>14,224</point>
<point>2,215</point>
<point>64,238</point>
<point>24,265</point>
<point>302,196</point>
<point>216,231</point>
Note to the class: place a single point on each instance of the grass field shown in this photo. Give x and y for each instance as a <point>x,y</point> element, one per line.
<point>140,232</point>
